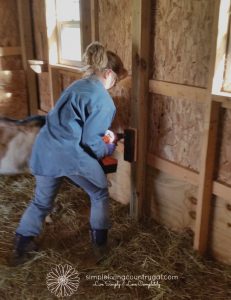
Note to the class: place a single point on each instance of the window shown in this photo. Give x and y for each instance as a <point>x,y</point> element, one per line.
<point>69,33</point>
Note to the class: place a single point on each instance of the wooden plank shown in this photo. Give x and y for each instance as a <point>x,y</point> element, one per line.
<point>219,189</point>
<point>7,51</point>
<point>208,152</point>
<point>69,69</point>
<point>173,169</point>
<point>55,82</point>
<point>26,37</point>
<point>94,20</point>
<point>177,90</point>
<point>222,190</point>
<point>139,113</point>
<point>86,23</point>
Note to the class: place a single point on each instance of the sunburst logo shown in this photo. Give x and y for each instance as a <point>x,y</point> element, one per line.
<point>63,280</point>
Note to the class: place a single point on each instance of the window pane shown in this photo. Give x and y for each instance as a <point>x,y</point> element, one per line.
<point>70,43</point>
<point>67,10</point>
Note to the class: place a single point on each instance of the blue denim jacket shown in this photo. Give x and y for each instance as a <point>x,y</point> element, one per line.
<point>71,143</point>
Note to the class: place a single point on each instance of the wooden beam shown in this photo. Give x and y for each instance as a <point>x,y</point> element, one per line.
<point>208,151</point>
<point>7,51</point>
<point>219,189</point>
<point>27,42</point>
<point>94,20</point>
<point>177,90</point>
<point>86,23</point>
<point>173,169</point>
<point>139,104</point>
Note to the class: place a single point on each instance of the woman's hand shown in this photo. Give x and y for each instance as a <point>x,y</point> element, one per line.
<point>110,148</point>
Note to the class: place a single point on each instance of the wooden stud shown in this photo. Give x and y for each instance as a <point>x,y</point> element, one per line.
<point>94,20</point>
<point>208,152</point>
<point>140,81</point>
<point>86,23</point>
<point>26,37</point>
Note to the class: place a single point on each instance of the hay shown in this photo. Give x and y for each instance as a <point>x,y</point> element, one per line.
<point>146,248</point>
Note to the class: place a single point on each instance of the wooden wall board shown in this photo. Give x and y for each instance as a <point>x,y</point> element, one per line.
<point>175,129</point>
<point>9,29</point>
<point>120,182</point>
<point>11,81</point>
<point>220,230</point>
<point>14,106</point>
<point>67,79</point>
<point>12,63</point>
<point>182,41</point>
<point>172,200</point>
<point>115,28</point>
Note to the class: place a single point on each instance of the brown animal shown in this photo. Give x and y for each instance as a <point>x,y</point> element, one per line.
<point>16,140</point>
<point>121,94</point>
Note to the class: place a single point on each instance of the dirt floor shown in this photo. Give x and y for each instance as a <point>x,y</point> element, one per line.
<point>149,262</point>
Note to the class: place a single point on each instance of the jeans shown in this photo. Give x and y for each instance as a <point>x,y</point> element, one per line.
<point>42,203</point>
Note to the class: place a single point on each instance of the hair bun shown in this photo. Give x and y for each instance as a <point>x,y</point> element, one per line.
<point>95,56</point>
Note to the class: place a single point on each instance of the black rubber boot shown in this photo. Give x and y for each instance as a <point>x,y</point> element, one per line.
<point>99,236</point>
<point>99,243</point>
<point>23,246</point>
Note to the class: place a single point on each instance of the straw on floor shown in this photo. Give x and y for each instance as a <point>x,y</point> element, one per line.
<point>145,249</point>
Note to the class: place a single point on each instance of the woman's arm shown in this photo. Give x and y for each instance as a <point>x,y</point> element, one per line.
<point>98,121</point>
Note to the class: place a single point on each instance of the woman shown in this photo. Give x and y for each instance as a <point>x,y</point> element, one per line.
<point>70,144</point>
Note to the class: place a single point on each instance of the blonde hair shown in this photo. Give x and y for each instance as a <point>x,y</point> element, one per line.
<point>98,58</point>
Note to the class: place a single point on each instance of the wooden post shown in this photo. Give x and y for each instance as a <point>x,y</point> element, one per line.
<point>27,49</point>
<point>86,23</point>
<point>140,92</point>
<point>208,152</point>
<point>94,20</point>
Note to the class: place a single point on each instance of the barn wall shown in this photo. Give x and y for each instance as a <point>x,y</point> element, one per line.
<point>13,91</point>
<point>115,28</point>
<point>182,41</point>
<point>181,50</point>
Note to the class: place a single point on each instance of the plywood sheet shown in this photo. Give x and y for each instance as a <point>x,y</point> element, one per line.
<point>182,41</point>
<point>115,28</point>
<point>173,202</point>
<point>9,29</point>
<point>224,173</point>
<point>175,128</point>
<point>11,63</point>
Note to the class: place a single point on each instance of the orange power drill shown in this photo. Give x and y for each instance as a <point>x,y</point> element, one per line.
<point>109,163</point>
